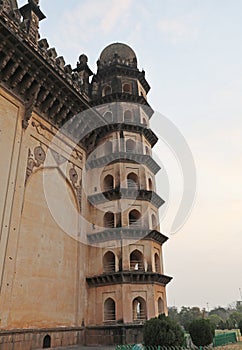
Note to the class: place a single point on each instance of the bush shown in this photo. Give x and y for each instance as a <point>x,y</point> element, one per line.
<point>163,331</point>
<point>202,332</point>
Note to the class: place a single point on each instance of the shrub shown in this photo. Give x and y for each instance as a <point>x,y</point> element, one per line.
<point>163,331</point>
<point>202,332</point>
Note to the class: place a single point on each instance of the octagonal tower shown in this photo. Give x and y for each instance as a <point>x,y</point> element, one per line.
<point>125,277</point>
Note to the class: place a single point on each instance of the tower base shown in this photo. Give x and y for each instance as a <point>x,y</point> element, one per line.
<point>29,339</point>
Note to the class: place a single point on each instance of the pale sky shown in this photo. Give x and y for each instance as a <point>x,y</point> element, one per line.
<point>191,51</point>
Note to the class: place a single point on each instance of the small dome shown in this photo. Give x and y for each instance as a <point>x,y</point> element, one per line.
<point>118,53</point>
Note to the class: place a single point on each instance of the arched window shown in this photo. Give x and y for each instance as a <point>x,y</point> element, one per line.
<point>154,222</point>
<point>161,309</point>
<point>150,185</point>
<point>136,260</point>
<point>147,151</point>
<point>108,147</point>
<point>128,116</point>
<point>144,122</point>
<point>130,146</point>
<point>47,342</point>
<point>108,183</point>
<point>127,88</point>
<point>109,310</point>
<point>109,262</point>
<point>107,90</point>
<point>157,263</point>
<point>108,116</point>
<point>134,217</point>
<point>108,220</point>
<point>132,181</point>
<point>139,309</point>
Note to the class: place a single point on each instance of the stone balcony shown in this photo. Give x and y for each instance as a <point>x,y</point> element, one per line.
<point>126,193</point>
<point>143,159</point>
<point>128,277</point>
<point>129,232</point>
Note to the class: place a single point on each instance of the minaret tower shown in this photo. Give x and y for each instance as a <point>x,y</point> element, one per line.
<point>125,279</point>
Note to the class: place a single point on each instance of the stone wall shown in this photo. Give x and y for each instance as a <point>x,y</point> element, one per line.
<point>35,338</point>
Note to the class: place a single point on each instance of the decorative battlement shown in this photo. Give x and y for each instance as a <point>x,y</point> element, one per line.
<point>34,72</point>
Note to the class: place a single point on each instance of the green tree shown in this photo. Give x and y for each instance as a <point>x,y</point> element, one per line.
<point>188,314</point>
<point>174,314</point>
<point>240,326</point>
<point>235,317</point>
<point>215,320</point>
<point>202,332</point>
<point>221,312</point>
<point>162,330</point>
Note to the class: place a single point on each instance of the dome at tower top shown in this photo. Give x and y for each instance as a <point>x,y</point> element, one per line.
<point>118,53</point>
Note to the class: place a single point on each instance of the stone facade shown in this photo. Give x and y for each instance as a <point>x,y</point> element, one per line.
<point>80,241</point>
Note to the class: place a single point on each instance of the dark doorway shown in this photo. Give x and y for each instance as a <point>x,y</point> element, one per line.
<point>47,342</point>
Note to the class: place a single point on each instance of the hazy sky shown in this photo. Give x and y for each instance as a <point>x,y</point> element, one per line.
<point>191,51</point>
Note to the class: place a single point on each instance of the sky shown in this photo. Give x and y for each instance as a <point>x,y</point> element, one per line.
<point>191,51</point>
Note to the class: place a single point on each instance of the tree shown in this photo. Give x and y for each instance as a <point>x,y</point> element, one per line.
<point>202,332</point>
<point>240,326</point>
<point>235,317</point>
<point>215,320</point>
<point>220,311</point>
<point>162,330</point>
<point>174,314</point>
<point>187,315</point>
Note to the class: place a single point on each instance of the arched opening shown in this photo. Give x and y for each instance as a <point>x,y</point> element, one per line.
<point>109,262</point>
<point>108,220</point>
<point>157,263</point>
<point>108,147</point>
<point>128,116</point>
<point>150,185</point>
<point>127,88</point>
<point>161,308</point>
<point>144,122</point>
<point>108,116</point>
<point>136,260</point>
<point>132,181</point>
<point>47,342</point>
<point>147,151</point>
<point>139,309</point>
<point>130,146</point>
<point>134,217</point>
<point>108,183</point>
<point>154,222</point>
<point>109,310</point>
<point>107,90</point>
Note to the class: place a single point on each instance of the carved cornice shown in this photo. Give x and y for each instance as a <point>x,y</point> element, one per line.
<point>37,76</point>
<point>121,70</point>
<point>120,97</point>
<point>143,159</point>
<point>90,132</point>
<point>122,233</point>
<point>128,277</point>
<point>126,193</point>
